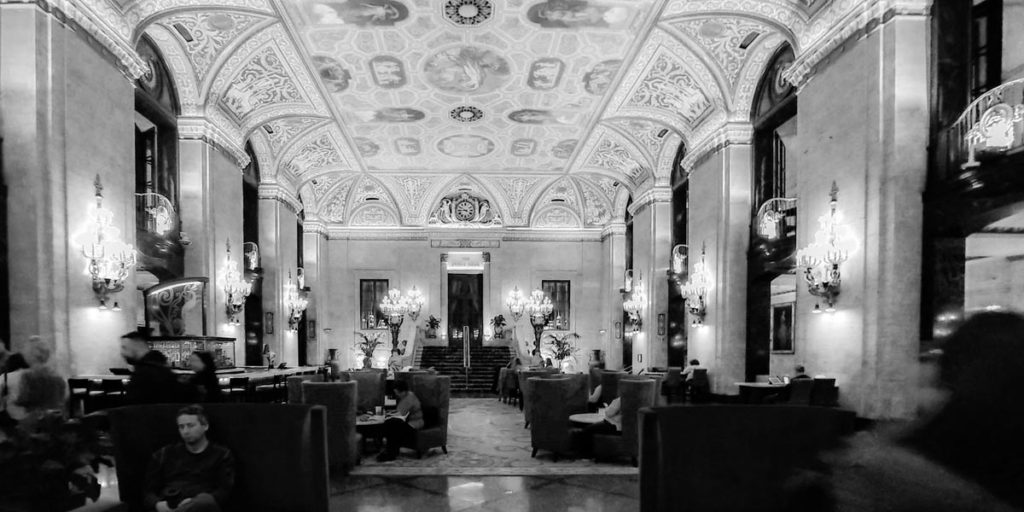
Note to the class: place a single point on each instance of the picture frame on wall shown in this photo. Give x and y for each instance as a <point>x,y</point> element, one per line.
<point>661,324</point>
<point>782,334</point>
<point>618,330</point>
<point>311,332</point>
<point>268,322</point>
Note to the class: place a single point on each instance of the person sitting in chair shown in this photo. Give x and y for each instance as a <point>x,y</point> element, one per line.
<point>193,475</point>
<point>801,373</point>
<point>611,424</point>
<point>401,426</point>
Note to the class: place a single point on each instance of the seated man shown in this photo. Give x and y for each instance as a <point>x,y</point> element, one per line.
<point>687,375</point>
<point>401,425</point>
<point>193,475</point>
<point>801,373</point>
<point>610,425</point>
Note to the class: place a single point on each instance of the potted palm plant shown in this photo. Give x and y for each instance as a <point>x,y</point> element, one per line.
<point>498,323</point>
<point>432,324</point>
<point>367,346</point>
<point>562,345</point>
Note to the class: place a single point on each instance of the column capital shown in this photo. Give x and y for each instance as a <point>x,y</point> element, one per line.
<point>200,128</point>
<point>314,226</point>
<point>719,138</point>
<point>863,19</point>
<point>662,194</point>
<point>281,194</point>
<point>613,228</point>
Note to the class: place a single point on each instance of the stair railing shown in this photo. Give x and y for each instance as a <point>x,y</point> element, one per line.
<point>466,357</point>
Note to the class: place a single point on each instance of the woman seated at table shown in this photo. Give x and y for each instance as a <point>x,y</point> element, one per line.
<point>594,401</point>
<point>611,424</point>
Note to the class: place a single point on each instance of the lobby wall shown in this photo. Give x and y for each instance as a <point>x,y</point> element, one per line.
<point>407,263</point>
<point>67,116</point>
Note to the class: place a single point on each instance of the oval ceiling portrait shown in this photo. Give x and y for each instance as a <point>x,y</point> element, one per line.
<point>467,70</point>
<point>465,146</point>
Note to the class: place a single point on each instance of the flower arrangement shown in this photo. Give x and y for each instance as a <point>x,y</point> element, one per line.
<point>52,460</point>
<point>562,344</point>
<point>433,322</point>
<point>498,322</point>
<point>369,343</point>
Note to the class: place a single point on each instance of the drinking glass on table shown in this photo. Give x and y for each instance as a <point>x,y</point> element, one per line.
<point>378,410</point>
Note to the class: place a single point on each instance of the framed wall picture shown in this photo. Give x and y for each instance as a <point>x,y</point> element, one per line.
<point>782,328</point>
<point>311,331</point>
<point>618,330</point>
<point>661,324</point>
<point>268,322</point>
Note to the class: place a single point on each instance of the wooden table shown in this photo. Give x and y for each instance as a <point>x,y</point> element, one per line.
<point>756,392</point>
<point>370,426</point>
<point>587,418</point>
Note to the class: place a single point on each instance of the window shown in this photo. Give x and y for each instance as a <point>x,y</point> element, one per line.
<point>371,293</point>
<point>986,45</point>
<point>558,292</point>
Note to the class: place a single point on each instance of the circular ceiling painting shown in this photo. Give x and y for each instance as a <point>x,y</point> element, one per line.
<point>466,114</point>
<point>467,70</point>
<point>465,146</point>
<point>468,12</point>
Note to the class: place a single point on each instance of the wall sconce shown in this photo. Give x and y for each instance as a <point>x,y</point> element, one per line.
<point>539,307</point>
<point>633,304</point>
<point>516,304</point>
<point>295,303</point>
<point>696,289</point>
<point>833,244</point>
<point>108,258</point>
<point>236,289</point>
<point>416,300</point>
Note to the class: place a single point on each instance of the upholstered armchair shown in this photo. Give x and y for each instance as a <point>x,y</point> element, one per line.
<point>635,394</point>
<point>294,384</point>
<point>610,385</point>
<point>553,400</point>
<point>340,400</point>
<point>434,393</point>
<point>524,389</point>
<point>371,387</point>
<point>659,399</point>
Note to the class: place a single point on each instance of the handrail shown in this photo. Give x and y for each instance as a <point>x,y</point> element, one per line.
<point>155,213</point>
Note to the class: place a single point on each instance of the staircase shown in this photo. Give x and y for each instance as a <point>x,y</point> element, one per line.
<point>478,378</point>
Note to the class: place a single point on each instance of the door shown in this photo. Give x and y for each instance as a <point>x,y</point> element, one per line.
<point>465,309</point>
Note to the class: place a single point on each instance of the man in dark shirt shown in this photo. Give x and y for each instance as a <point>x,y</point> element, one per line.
<point>194,475</point>
<point>801,373</point>
<point>152,381</point>
<point>401,426</point>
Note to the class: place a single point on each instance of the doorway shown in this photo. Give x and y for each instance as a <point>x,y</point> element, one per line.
<point>465,309</point>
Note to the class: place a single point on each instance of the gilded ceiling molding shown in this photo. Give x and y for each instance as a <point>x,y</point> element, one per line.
<point>181,69</point>
<point>281,194</point>
<point>407,234</point>
<point>199,128</point>
<point>100,23</point>
<point>725,135</point>
<point>650,196</point>
<point>842,21</point>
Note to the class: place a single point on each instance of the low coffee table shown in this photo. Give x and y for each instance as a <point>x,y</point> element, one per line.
<point>370,426</point>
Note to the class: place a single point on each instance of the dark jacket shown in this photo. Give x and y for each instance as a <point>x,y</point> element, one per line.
<point>205,387</point>
<point>152,381</point>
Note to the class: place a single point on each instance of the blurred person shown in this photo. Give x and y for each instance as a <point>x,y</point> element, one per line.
<point>204,382</point>
<point>193,475</point>
<point>152,381</point>
<point>610,424</point>
<point>30,384</point>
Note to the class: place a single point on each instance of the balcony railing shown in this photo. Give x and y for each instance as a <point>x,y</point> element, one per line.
<point>990,126</point>
<point>155,213</point>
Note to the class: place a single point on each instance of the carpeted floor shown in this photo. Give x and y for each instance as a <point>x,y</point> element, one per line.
<point>486,437</point>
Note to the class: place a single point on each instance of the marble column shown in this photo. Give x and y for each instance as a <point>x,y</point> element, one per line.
<point>719,220</point>
<point>613,264</point>
<point>314,261</point>
<point>67,118</point>
<point>278,250</point>
<point>652,247</point>
<point>211,215</point>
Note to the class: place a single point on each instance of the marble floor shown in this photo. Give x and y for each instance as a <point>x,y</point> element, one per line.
<point>591,493</point>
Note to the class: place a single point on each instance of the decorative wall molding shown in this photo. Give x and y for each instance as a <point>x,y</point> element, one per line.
<point>650,196</point>
<point>466,244</point>
<point>613,229</point>
<point>863,18</point>
<point>399,234</point>
<point>82,19</point>
<point>724,136</point>
<point>200,128</point>
<point>281,194</point>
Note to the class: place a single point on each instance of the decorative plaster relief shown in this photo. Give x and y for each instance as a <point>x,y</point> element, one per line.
<point>263,81</point>
<point>670,87</point>
<point>465,211</point>
<point>210,33</point>
<point>721,37</point>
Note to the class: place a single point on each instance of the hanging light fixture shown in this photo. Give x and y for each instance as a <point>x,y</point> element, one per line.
<point>395,306</point>
<point>294,302</point>
<point>236,289</point>
<point>633,305</point>
<point>696,289</point>
<point>109,260</point>
<point>539,307</point>
<point>832,246</point>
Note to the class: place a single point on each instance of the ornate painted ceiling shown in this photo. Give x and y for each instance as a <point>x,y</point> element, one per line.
<point>547,113</point>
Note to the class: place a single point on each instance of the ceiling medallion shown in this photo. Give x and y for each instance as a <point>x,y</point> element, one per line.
<point>466,114</point>
<point>468,12</point>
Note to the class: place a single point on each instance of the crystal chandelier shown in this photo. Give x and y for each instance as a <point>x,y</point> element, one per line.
<point>395,306</point>
<point>633,305</point>
<point>515,303</point>
<point>696,289</point>
<point>832,246</point>
<point>295,302</point>
<point>236,289</point>
<point>109,260</point>
<point>539,307</point>
<point>415,300</point>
